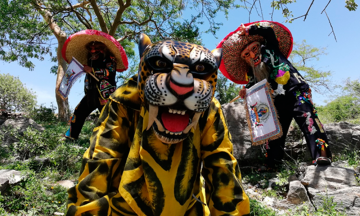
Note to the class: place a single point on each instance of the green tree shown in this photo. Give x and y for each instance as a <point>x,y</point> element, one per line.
<point>14,96</point>
<point>225,89</point>
<point>346,106</point>
<point>301,57</point>
<point>123,19</point>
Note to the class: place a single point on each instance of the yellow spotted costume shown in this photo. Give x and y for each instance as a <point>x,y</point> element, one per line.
<point>129,170</point>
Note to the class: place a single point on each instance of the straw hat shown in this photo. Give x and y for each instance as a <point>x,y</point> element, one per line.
<point>232,65</point>
<point>75,47</point>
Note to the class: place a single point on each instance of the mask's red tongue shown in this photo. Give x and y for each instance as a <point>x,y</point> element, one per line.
<point>174,122</point>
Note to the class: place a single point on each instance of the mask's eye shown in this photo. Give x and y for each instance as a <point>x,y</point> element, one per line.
<point>160,63</point>
<point>255,48</point>
<point>199,68</point>
<point>246,55</point>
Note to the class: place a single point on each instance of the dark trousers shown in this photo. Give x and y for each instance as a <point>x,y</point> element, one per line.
<point>289,107</point>
<point>88,104</point>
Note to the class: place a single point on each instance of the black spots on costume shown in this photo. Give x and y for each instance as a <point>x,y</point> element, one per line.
<point>104,206</point>
<point>203,119</point>
<point>121,205</point>
<point>72,195</point>
<point>100,166</point>
<point>71,211</point>
<point>163,158</point>
<point>196,209</point>
<point>219,128</point>
<point>104,113</point>
<point>189,161</point>
<point>132,163</point>
<point>223,178</point>
<point>134,188</point>
<point>154,185</point>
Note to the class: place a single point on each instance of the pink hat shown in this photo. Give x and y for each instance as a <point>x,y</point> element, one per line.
<point>75,47</point>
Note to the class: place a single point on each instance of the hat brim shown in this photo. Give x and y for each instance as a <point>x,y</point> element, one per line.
<point>75,47</point>
<point>232,66</point>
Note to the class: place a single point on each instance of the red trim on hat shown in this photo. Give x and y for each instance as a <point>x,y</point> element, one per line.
<point>103,34</point>
<point>222,66</point>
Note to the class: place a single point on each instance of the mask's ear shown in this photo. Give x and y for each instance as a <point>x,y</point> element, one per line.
<point>144,41</point>
<point>218,55</point>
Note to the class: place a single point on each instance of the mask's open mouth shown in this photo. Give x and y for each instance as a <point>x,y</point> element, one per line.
<point>171,125</point>
<point>257,60</point>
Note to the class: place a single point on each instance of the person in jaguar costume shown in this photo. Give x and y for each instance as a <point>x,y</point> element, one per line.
<point>259,50</point>
<point>161,146</point>
<point>101,56</point>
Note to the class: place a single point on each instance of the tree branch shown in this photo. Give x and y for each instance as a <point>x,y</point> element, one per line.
<point>80,16</point>
<point>262,15</point>
<point>251,8</point>
<point>307,12</point>
<point>99,16</point>
<point>119,13</point>
<point>326,6</point>
<point>331,26</point>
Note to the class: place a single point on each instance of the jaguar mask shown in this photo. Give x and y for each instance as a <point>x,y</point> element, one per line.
<point>177,82</point>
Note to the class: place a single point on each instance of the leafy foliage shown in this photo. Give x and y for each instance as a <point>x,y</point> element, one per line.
<point>346,106</point>
<point>22,33</point>
<point>14,96</point>
<point>300,57</point>
<point>225,89</point>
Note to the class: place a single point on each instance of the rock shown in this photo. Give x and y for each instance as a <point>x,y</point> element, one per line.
<point>12,175</point>
<point>65,183</point>
<point>293,178</point>
<point>343,164</point>
<point>244,152</point>
<point>347,200</point>
<point>8,177</point>
<point>329,178</point>
<point>273,182</point>
<point>39,162</point>
<point>253,194</point>
<point>343,135</point>
<point>21,124</point>
<point>269,201</point>
<point>297,193</point>
<point>4,183</point>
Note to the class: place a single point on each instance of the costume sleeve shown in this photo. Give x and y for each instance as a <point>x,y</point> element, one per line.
<point>270,54</point>
<point>267,33</point>
<point>225,194</point>
<point>102,163</point>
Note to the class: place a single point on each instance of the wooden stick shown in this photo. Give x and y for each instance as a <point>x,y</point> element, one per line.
<point>235,99</point>
<point>94,76</point>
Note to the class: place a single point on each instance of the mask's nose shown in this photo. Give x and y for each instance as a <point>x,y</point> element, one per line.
<point>252,54</point>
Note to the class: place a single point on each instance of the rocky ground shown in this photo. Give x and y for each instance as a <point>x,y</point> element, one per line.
<point>307,185</point>
<point>300,186</point>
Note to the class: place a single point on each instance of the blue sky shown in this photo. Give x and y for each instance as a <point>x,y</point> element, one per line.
<point>341,59</point>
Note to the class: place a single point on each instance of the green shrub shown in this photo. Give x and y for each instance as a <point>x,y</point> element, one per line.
<point>341,109</point>
<point>14,96</point>
<point>31,195</point>
<point>43,114</point>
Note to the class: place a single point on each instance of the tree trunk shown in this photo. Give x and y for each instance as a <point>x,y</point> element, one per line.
<point>63,105</point>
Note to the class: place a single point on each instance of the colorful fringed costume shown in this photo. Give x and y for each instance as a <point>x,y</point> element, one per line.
<point>161,145</point>
<point>268,44</point>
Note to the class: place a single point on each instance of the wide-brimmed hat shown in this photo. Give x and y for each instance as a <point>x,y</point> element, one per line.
<point>232,65</point>
<point>75,47</point>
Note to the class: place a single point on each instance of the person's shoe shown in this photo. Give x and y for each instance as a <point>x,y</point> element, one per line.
<point>322,161</point>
